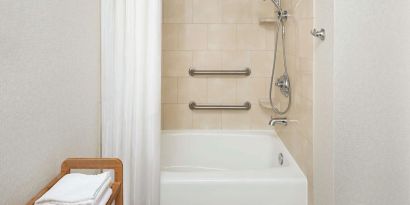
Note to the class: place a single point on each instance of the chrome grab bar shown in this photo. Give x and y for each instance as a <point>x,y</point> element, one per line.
<point>245,106</point>
<point>244,72</point>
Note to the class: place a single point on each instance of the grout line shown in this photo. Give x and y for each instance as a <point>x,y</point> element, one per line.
<point>207,89</point>
<point>236,91</point>
<point>221,50</point>
<point>227,23</point>
<point>177,78</point>
<point>192,11</point>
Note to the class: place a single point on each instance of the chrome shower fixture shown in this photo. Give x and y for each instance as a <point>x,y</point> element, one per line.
<point>282,14</point>
<point>284,84</point>
<point>321,34</point>
<point>278,121</point>
<point>277,4</point>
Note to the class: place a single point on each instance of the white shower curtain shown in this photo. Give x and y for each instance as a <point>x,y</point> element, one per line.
<point>130,83</point>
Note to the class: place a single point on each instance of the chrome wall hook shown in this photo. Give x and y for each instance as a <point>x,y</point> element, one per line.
<point>321,34</point>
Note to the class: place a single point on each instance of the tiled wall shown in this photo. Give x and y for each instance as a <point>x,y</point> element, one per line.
<point>215,34</point>
<point>298,135</point>
<point>226,34</point>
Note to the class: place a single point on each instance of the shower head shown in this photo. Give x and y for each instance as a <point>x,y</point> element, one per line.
<point>277,4</point>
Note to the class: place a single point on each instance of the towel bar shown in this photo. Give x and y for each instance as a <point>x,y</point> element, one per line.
<point>244,72</point>
<point>245,106</point>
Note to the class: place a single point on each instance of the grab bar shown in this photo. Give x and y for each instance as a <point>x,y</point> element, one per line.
<point>244,72</point>
<point>245,106</point>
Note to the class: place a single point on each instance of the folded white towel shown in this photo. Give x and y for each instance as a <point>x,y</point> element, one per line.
<point>105,197</point>
<point>102,201</point>
<point>77,189</point>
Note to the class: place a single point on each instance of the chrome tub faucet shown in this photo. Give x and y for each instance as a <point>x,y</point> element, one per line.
<point>278,121</point>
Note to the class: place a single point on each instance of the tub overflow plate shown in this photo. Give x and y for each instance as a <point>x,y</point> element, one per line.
<point>280,158</point>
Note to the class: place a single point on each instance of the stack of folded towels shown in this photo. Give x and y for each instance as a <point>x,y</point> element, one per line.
<point>79,189</point>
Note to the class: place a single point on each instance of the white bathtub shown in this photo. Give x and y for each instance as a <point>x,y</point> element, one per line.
<point>228,168</point>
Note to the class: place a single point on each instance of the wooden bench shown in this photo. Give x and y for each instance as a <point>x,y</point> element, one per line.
<point>91,163</point>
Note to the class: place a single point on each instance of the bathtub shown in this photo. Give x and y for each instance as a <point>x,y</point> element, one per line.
<point>229,168</point>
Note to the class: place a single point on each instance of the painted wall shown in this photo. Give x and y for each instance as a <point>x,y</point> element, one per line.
<point>372,102</point>
<point>323,106</point>
<point>298,135</point>
<point>215,34</point>
<point>49,90</point>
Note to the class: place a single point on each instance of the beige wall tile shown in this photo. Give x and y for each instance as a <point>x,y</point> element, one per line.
<point>169,90</point>
<point>262,62</point>
<point>306,86</point>
<point>288,4</point>
<point>251,37</point>
<point>305,39</point>
<point>305,65</point>
<point>192,89</point>
<point>207,59</point>
<point>259,117</point>
<point>176,63</point>
<point>301,77</point>
<point>193,37</point>
<point>250,89</point>
<point>177,11</point>
<point>237,11</point>
<point>267,88</point>
<point>306,123</point>
<point>302,8</point>
<point>228,36</point>
<point>235,59</point>
<point>184,37</point>
<point>207,119</point>
<point>303,114</point>
<point>236,120</point>
<point>270,35</point>
<point>171,36</point>
<point>263,9</point>
<point>293,66</point>
<point>296,107</point>
<point>292,36</point>
<point>221,90</point>
<point>208,11</point>
<point>222,36</point>
<point>176,116</point>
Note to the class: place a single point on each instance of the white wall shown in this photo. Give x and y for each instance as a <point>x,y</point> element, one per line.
<point>323,108</point>
<point>372,102</point>
<point>370,138</point>
<point>49,90</point>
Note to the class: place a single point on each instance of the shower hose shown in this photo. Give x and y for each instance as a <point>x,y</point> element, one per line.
<point>280,26</point>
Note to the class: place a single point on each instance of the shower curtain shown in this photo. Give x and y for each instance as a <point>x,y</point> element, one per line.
<point>130,89</point>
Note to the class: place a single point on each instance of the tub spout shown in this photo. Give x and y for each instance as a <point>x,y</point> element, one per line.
<point>279,121</point>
